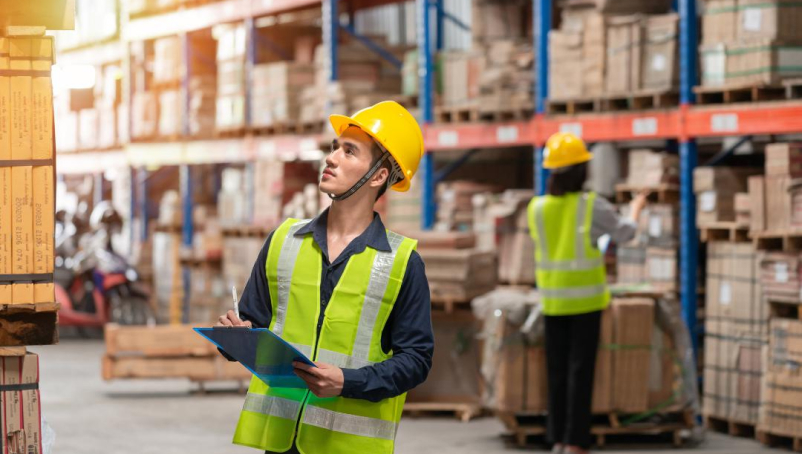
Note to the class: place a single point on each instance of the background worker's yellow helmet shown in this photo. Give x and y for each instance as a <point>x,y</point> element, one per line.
<point>564,149</point>
<point>395,129</point>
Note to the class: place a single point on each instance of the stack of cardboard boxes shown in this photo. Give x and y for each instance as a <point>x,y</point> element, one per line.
<point>27,180</point>
<point>736,330</point>
<point>716,190</point>
<point>781,412</point>
<point>27,212</point>
<point>636,366</point>
<point>613,48</point>
<point>750,42</point>
<point>651,257</point>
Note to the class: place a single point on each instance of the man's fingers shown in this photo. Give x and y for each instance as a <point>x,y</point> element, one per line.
<point>224,321</point>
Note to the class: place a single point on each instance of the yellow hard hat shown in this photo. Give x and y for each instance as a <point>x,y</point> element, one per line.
<point>395,129</point>
<point>565,149</point>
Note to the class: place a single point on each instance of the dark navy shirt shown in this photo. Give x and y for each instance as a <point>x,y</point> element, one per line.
<point>408,332</point>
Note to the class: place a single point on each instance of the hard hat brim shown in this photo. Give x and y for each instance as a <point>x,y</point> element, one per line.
<point>582,159</point>
<point>342,122</point>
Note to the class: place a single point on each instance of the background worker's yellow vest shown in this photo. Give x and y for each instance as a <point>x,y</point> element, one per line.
<point>570,272</point>
<point>350,338</point>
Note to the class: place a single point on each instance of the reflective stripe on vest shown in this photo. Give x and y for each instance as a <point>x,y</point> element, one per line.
<point>272,406</point>
<point>349,424</point>
<point>349,338</point>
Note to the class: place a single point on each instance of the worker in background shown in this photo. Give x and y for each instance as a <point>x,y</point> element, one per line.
<point>566,225</point>
<point>348,293</point>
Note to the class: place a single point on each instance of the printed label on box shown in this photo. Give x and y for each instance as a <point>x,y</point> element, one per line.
<point>707,201</point>
<point>659,62</point>
<point>781,272</point>
<point>752,19</point>
<point>725,293</point>
<point>655,227</point>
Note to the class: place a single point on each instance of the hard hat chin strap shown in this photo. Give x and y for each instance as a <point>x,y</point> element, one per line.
<point>362,180</point>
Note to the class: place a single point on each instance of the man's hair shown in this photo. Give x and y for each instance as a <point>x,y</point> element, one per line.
<point>377,151</point>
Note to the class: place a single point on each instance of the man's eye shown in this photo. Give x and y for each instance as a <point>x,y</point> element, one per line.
<point>349,151</point>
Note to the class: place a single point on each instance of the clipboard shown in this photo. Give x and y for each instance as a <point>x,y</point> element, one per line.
<point>266,355</point>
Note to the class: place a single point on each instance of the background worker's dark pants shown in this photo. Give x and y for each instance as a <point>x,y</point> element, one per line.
<point>571,345</point>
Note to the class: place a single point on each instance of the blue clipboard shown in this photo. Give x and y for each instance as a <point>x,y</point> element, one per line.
<point>266,355</point>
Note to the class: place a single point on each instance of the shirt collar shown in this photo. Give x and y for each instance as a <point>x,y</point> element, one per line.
<point>375,236</point>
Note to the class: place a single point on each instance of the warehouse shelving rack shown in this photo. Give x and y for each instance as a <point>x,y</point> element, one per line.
<point>683,124</point>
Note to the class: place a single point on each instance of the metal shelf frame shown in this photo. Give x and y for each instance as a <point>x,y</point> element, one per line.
<point>681,125</point>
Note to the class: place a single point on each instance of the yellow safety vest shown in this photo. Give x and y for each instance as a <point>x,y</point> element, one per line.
<point>570,272</point>
<point>350,338</point>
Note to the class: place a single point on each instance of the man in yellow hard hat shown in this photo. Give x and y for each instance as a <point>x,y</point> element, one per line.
<point>566,225</point>
<point>350,294</point>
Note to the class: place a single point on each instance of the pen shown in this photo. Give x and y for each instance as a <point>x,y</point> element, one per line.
<point>236,300</point>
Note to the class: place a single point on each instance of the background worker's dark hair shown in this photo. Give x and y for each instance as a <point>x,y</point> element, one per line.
<point>571,179</point>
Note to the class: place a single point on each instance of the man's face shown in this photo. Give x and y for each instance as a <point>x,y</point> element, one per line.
<point>349,160</point>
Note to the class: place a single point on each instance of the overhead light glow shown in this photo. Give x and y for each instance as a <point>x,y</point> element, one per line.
<point>66,77</point>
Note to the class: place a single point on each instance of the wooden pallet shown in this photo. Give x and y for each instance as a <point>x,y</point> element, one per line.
<point>643,100</point>
<point>772,438</point>
<point>508,114</point>
<point>785,309</point>
<point>736,94</point>
<point>257,231</point>
<point>525,429</point>
<point>787,240</point>
<point>793,88</point>
<point>463,411</point>
<point>725,231</point>
<point>277,129</point>
<point>461,114</point>
<point>310,127</point>
<point>663,193</point>
<point>28,324</point>
<point>730,427</point>
<point>574,106</point>
<point>232,133</point>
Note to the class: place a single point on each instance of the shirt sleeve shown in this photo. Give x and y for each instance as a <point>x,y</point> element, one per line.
<point>607,221</point>
<point>254,303</point>
<point>411,340</point>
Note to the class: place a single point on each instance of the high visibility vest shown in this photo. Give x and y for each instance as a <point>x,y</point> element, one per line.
<point>570,271</point>
<point>350,338</point>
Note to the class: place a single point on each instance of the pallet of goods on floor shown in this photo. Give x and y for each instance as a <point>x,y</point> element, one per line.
<point>639,368</point>
<point>28,309</point>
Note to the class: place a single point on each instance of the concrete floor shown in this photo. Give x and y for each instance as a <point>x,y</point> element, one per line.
<point>90,416</point>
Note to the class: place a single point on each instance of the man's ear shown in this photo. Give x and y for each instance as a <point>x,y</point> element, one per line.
<point>380,177</point>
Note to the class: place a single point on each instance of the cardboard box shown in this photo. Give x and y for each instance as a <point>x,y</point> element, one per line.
<point>780,276</point>
<point>714,207</point>
<point>713,59</point>
<point>778,203</point>
<point>784,160</point>
<point>648,169</point>
<point>43,219</point>
<point>44,293</point>
<point>495,20</point>
<point>6,221</point>
<point>661,269</point>
<point>624,54</point>
<point>762,62</point>
<point>631,264</point>
<point>5,102</point>
<point>22,293</point>
<point>660,59</point>
<point>743,208</point>
<point>723,180</point>
<point>757,201</point>
<point>20,52</point>
<point>454,376</point>
<point>719,21</point>
<point>42,122</point>
<point>769,19</point>
<point>634,323</point>
<point>22,219</point>
<point>22,419</point>
<point>5,293</point>
<point>782,387</point>
<point>565,65</point>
